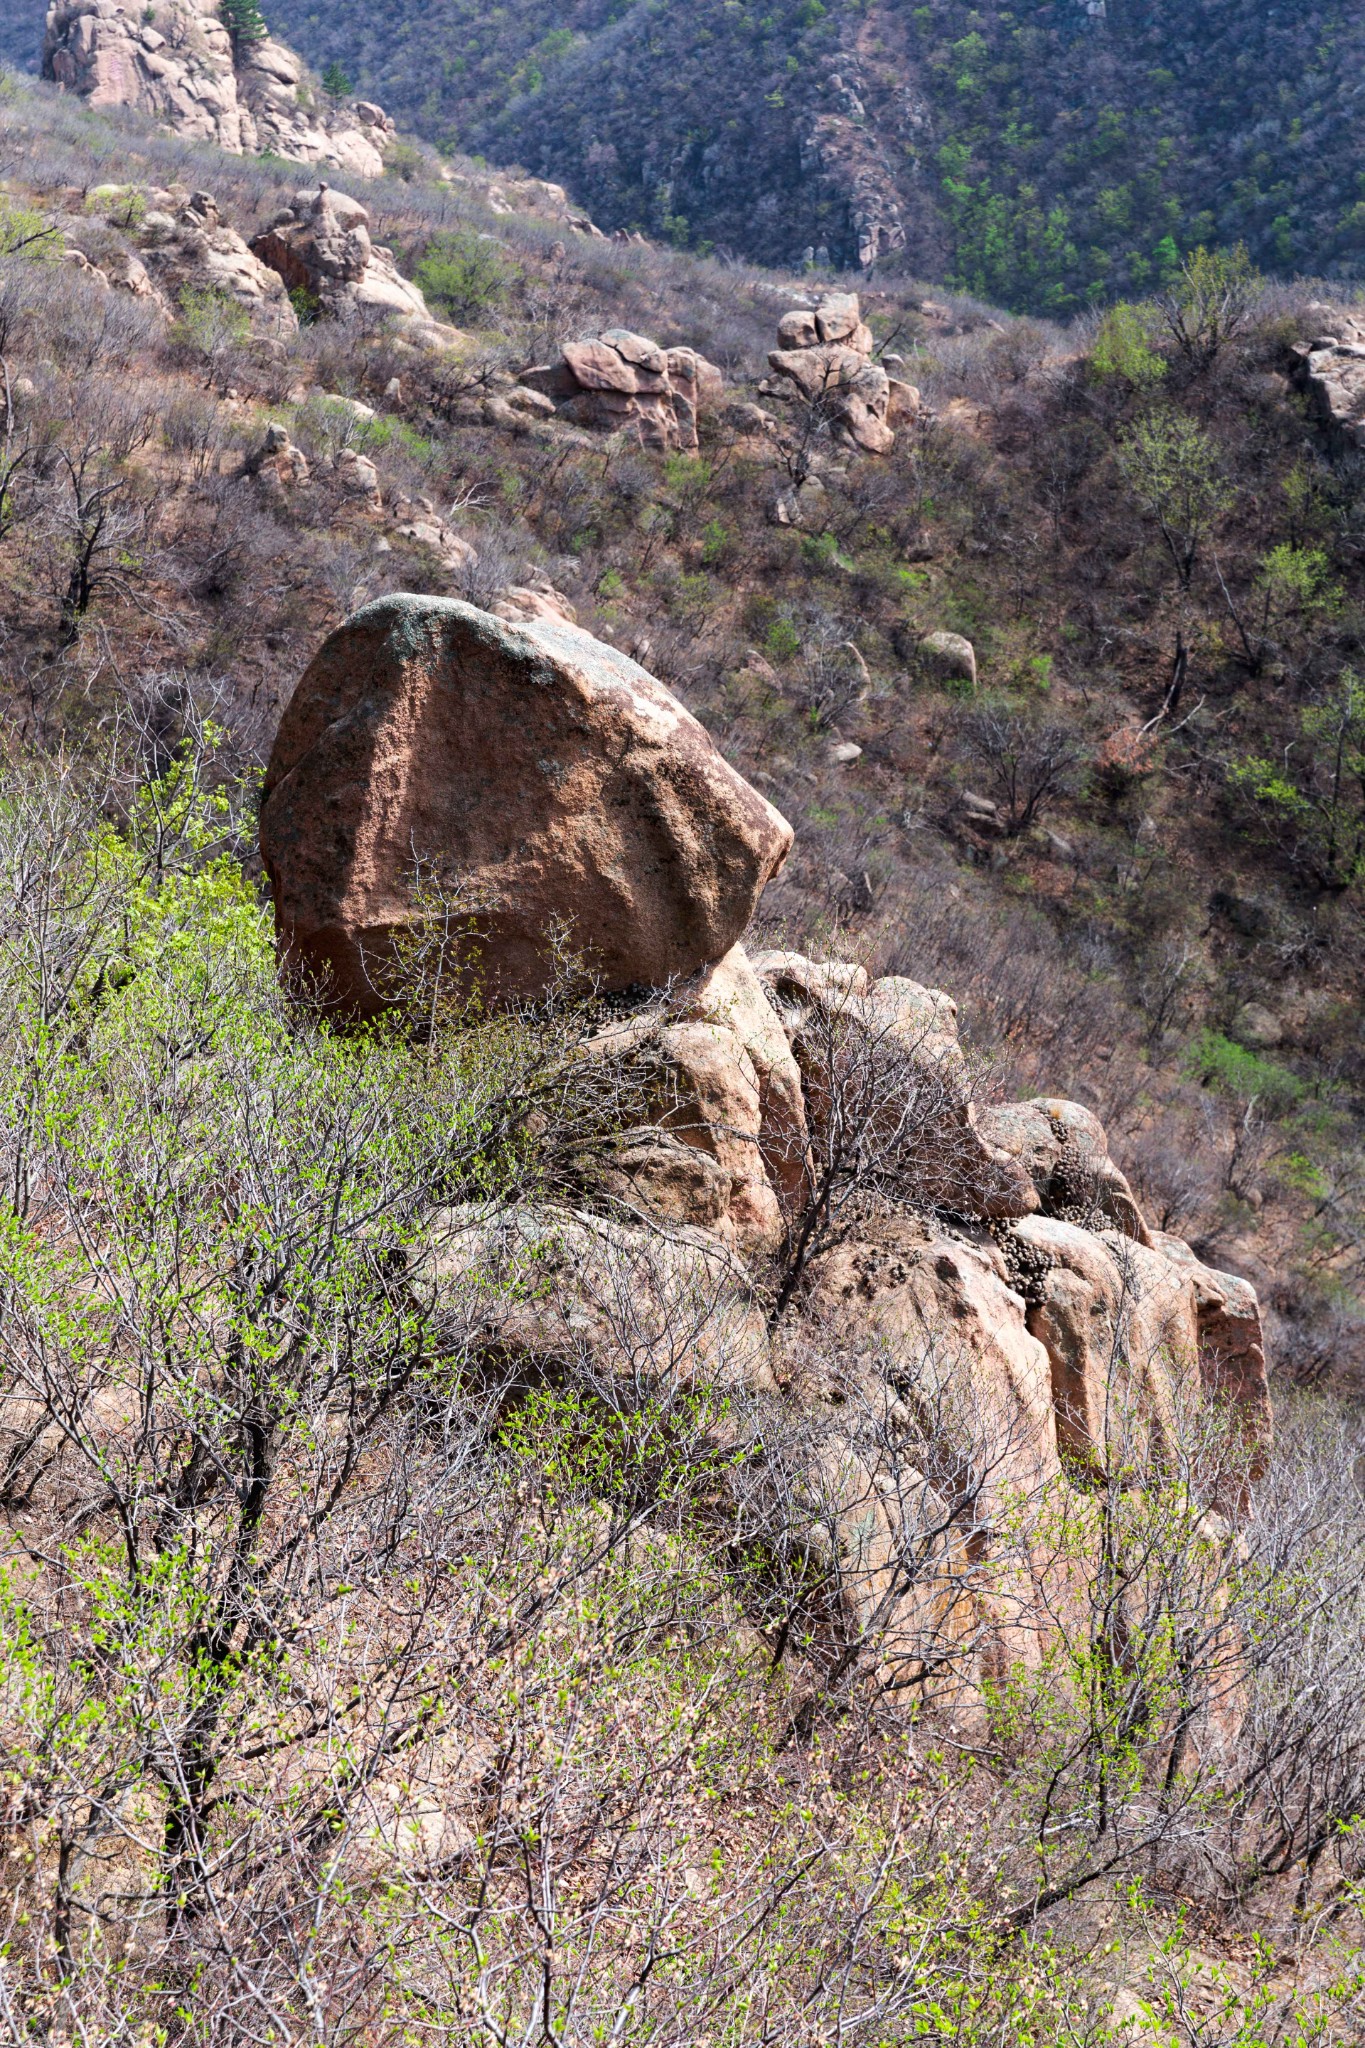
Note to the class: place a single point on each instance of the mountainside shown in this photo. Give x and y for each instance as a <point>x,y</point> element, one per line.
<point>1036,155</point>
<point>801,1485</point>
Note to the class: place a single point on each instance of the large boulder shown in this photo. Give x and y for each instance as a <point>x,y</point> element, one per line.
<point>321,245</point>
<point>622,382</point>
<point>551,775</point>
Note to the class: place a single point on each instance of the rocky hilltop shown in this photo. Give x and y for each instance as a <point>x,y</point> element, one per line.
<point>177,61</point>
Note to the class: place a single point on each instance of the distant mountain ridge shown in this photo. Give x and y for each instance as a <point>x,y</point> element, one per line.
<point>1040,155</point>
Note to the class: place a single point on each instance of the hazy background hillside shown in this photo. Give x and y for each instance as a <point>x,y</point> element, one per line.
<point>1038,155</point>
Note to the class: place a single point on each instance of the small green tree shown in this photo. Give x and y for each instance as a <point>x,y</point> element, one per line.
<point>1172,468</point>
<point>211,325</point>
<point>335,81</point>
<point>1209,303</point>
<point>462,274</point>
<point>244,22</point>
<point>1123,347</point>
<point>1313,798</point>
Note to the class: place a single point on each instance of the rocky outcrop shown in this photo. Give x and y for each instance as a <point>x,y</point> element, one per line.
<point>1331,369</point>
<point>175,60</point>
<point>193,251</point>
<point>824,360</point>
<point>559,781</point>
<point>619,382</point>
<point>962,1313</point>
<point>321,246</point>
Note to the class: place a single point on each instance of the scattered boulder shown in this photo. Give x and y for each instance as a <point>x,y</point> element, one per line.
<point>948,657</point>
<point>1258,1027</point>
<point>279,458</point>
<point>358,477</point>
<point>825,357</point>
<point>623,382</point>
<point>554,776</point>
<point>321,245</point>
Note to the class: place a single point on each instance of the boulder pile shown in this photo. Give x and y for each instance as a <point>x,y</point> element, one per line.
<point>175,60</point>
<point>993,1319</point>
<point>623,382</point>
<point>191,249</point>
<point>824,358</point>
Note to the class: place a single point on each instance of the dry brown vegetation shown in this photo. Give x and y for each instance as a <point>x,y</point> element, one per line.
<point>292,1581</point>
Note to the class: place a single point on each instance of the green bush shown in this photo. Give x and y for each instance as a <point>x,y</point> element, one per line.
<point>464,274</point>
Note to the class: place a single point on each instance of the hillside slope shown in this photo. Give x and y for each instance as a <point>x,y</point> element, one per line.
<point>1037,154</point>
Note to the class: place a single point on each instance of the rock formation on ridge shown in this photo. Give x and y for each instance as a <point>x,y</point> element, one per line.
<point>176,61</point>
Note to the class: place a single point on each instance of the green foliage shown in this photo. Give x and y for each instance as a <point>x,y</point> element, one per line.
<point>306,303</point>
<point>464,274</point>
<point>782,640</point>
<point>1208,303</point>
<point>336,81</point>
<point>211,322</point>
<point>1220,1062</point>
<point>243,21</point>
<point>1174,471</point>
<point>1313,798</point>
<point>1299,580</point>
<point>24,232</point>
<point>1123,347</point>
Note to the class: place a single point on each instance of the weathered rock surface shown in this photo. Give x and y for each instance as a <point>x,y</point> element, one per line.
<point>1063,1148</point>
<point>825,357</point>
<point>556,1291</point>
<point>321,245</point>
<point>175,60</point>
<point>623,382</point>
<point>1331,369</point>
<point>193,251</point>
<point>894,1044</point>
<point>553,776</point>
<point>1137,1334</point>
<point>726,1145</point>
<point>949,657</point>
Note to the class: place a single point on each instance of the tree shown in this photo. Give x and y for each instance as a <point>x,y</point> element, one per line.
<point>1313,798</point>
<point>1030,763</point>
<point>1173,470</point>
<point>463,273</point>
<point>244,22</point>
<point>335,81</point>
<point>1210,303</point>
